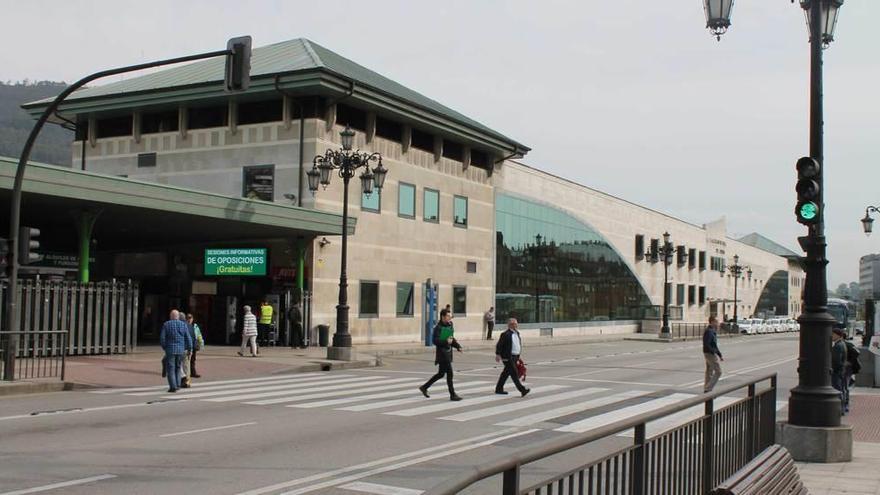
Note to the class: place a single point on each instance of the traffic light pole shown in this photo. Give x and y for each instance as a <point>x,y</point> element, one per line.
<point>12,316</point>
<point>813,403</point>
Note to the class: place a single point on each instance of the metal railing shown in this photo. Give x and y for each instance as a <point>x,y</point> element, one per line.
<point>693,330</point>
<point>40,354</point>
<point>689,459</point>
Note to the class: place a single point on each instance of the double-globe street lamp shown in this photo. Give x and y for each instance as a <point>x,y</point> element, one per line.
<point>868,222</point>
<point>346,163</point>
<point>737,270</point>
<point>813,403</point>
<point>665,253</point>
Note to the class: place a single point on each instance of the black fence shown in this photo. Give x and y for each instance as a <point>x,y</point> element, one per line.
<point>689,459</point>
<point>38,354</point>
<point>694,330</point>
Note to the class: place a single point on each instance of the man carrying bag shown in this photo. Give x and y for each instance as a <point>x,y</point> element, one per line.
<point>508,350</point>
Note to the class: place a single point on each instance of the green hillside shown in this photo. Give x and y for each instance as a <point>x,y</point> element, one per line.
<point>53,145</point>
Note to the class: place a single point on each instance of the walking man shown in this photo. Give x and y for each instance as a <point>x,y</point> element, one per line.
<point>249,332</point>
<point>444,342</point>
<point>175,341</point>
<point>712,354</point>
<point>265,326</point>
<point>838,366</point>
<point>489,318</point>
<point>507,351</point>
<point>294,315</point>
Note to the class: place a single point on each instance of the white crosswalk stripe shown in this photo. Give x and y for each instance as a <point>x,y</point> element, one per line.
<point>417,411</point>
<point>320,392</point>
<point>208,386</point>
<point>621,414</point>
<point>408,390</point>
<point>672,421</point>
<point>539,417</point>
<point>524,404</point>
<point>219,382</point>
<point>461,387</point>
<point>280,389</point>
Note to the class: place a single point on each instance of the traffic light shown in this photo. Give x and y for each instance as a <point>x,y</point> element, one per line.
<point>808,207</point>
<point>28,245</point>
<point>238,64</point>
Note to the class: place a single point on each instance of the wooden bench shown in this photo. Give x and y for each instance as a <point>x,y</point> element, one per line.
<point>772,472</point>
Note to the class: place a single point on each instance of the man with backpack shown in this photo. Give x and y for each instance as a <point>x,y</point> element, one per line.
<point>852,367</point>
<point>838,366</point>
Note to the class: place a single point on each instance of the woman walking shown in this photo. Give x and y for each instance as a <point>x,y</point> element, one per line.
<point>197,344</point>
<point>249,332</point>
<point>444,342</point>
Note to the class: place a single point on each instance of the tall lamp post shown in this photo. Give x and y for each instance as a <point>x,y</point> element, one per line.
<point>346,163</point>
<point>665,254</point>
<point>813,403</point>
<point>736,270</point>
<point>868,222</point>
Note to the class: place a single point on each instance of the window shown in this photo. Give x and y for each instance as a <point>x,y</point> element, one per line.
<point>640,247</point>
<point>206,117</point>
<point>717,264</point>
<point>471,267</point>
<point>679,294</point>
<point>702,261</point>
<point>258,182</point>
<point>692,294</point>
<point>669,287</point>
<point>389,129</point>
<point>702,295</point>
<point>459,300</point>
<point>255,112</point>
<point>422,140</point>
<point>681,255</point>
<point>354,117</point>
<point>655,250</point>
<point>453,150</point>
<point>406,200</point>
<point>154,122</point>
<point>404,298</point>
<point>692,259</point>
<point>431,209</point>
<point>146,160</point>
<point>372,202</point>
<point>114,127</point>
<point>369,299</point>
<point>460,211</point>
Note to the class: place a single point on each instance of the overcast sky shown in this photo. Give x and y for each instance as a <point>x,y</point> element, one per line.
<point>631,97</point>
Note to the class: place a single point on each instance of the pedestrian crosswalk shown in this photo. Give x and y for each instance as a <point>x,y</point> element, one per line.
<point>563,408</point>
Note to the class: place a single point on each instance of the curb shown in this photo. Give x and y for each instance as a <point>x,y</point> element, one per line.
<point>22,388</point>
<point>485,344</point>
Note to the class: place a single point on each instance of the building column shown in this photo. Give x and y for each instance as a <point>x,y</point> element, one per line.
<point>285,111</point>
<point>232,116</point>
<point>182,121</point>
<point>466,158</point>
<point>85,223</point>
<point>330,117</point>
<point>371,127</point>
<point>136,126</point>
<point>438,148</point>
<point>405,138</point>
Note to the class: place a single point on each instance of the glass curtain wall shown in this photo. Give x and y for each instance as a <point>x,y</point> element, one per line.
<point>774,297</point>
<point>552,267</point>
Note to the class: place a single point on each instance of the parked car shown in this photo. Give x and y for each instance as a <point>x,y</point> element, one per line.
<point>794,326</point>
<point>747,326</point>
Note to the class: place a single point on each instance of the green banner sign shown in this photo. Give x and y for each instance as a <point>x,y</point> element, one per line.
<point>235,262</point>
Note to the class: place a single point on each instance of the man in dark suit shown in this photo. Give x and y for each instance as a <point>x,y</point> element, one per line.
<point>508,350</point>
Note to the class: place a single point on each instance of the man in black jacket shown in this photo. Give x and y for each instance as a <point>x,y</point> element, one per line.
<point>712,355</point>
<point>508,350</point>
<point>444,342</point>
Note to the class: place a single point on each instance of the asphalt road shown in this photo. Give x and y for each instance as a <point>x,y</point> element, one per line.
<point>354,431</point>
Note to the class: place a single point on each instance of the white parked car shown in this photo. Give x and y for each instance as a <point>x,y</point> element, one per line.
<point>748,326</point>
<point>760,325</point>
<point>794,326</point>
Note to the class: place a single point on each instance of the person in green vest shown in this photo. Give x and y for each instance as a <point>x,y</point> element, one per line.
<point>444,342</point>
<point>265,322</point>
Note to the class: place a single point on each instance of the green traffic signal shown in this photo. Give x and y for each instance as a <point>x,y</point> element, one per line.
<point>808,211</point>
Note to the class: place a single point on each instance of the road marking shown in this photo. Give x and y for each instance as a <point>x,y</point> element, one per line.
<point>680,418</point>
<point>63,484</point>
<point>725,376</point>
<point>363,486</point>
<point>443,449</point>
<point>417,411</point>
<point>360,398</point>
<point>373,386</point>
<point>88,409</point>
<point>621,414</point>
<point>205,387</point>
<point>243,380</point>
<point>285,387</point>
<point>410,400</point>
<point>523,404</point>
<point>316,392</point>
<point>531,419</point>
<point>207,429</point>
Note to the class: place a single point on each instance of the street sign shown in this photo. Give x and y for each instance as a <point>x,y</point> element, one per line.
<point>236,262</point>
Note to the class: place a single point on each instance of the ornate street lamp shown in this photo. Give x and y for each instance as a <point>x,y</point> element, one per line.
<point>812,403</point>
<point>346,163</point>
<point>868,222</point>
<point>665,253</point>
<point>717,16</point>
<point>737,270</point>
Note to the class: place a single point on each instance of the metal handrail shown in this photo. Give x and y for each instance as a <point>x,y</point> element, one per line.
<point>556,446</point>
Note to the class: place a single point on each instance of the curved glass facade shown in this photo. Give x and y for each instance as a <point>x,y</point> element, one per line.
<point>774,297</point>
<point>552,267</point>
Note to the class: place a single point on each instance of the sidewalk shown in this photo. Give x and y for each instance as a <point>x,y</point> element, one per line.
<point>862,475</point>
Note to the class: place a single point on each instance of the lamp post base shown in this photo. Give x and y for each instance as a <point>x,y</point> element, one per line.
<point>816,444</point>
<point>340,353</point>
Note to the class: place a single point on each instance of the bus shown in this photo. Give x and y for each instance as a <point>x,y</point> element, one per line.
<point>843,311</point>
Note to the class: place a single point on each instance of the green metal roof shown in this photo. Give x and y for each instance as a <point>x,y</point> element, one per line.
<point>757,240</point>
<point>297,56</point>
<point>57,189</point>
